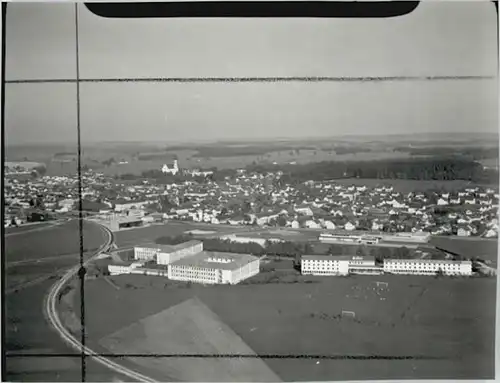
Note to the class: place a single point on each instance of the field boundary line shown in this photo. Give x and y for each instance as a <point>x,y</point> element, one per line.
<point>44,227</point>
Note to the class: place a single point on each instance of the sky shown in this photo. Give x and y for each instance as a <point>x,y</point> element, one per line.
<point>437,39</point>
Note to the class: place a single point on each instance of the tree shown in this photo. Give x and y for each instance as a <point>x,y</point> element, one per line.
<point>281,221</point>
<point>335,249</point>
<point>360,251</point>
<point>308,249</point>
<point>405,252</point>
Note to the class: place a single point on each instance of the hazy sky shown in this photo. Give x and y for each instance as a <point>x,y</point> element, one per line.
<point>437,39</point>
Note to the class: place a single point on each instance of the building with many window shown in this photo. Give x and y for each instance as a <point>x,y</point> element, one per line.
<point>325,265</point>
<point>427,266</point>
<point>214,268</point>
<point>343,265</point>
<point>147,252</point>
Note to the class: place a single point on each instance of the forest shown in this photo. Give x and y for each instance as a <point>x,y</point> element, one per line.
<point>442,169</point>
<point>472,153</point>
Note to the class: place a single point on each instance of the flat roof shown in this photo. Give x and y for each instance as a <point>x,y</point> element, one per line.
<point>122,264</point>
<point>339,257</point>
<point>327,257</point>
<point>202,260</point>
<point>169,248</point>
<point>424,260</point>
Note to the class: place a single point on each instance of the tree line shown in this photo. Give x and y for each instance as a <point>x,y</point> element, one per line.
<point>473,153</point>
<point>442,169</point>
<point>288,249</point>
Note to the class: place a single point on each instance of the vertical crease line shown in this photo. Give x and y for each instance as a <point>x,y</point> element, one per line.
<point>81,272</point>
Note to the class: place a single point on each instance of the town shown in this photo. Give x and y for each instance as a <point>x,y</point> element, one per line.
<point>256,199</point>
<point>366,218</point>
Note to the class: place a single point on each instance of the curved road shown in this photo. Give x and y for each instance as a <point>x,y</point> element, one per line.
<point>55,321</point>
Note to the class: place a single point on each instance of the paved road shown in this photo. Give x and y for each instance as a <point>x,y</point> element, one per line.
<point>53,317</point>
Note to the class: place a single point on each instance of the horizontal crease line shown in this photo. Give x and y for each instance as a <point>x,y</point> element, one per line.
<point>247,356</point>
<point>253,79</point>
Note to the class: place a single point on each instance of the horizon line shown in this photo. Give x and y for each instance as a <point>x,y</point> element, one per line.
<point>256,139</point>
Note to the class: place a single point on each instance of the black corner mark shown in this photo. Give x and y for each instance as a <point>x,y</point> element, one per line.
<point>324,9</point>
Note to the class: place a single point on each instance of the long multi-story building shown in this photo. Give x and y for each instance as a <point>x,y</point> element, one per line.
<point>418,237</point>
<point>214,268</point>
<point>427,266</point>
<point>339,237</point>
<point>343,265</point>
<point>374,238</point>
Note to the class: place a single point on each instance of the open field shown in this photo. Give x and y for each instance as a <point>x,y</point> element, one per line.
<point>60,240</point>
<point>418,327</point>
<point>189,328</point>
<point>484,249</point>
<point>26,329</point>
<point>39,255</point>
<point>27,227</point>
<point>136,157</point>
<point>27,332</point>
<point>132,237</point>
<point>490,162</point>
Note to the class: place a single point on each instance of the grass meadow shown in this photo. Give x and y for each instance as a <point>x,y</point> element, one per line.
<point>417,327</point>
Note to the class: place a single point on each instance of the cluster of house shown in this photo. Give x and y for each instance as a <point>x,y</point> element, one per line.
<point>188,262</point>
<point>260,199</point>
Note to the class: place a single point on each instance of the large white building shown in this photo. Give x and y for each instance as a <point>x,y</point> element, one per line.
<point>188,262</point>
<point>324,265</point>
<point>339,265</point>
<point>427,266</point>
<point>343,265</point>
<point>166,254</point>
<point>214,268</point>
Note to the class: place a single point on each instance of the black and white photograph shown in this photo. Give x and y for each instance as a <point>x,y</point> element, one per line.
<point>249,192</point>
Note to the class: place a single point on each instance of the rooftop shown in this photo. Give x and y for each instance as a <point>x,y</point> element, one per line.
<point>417,260</point>
<point>169,248</point>
<point>327,257</point>
<point>207,259</point>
